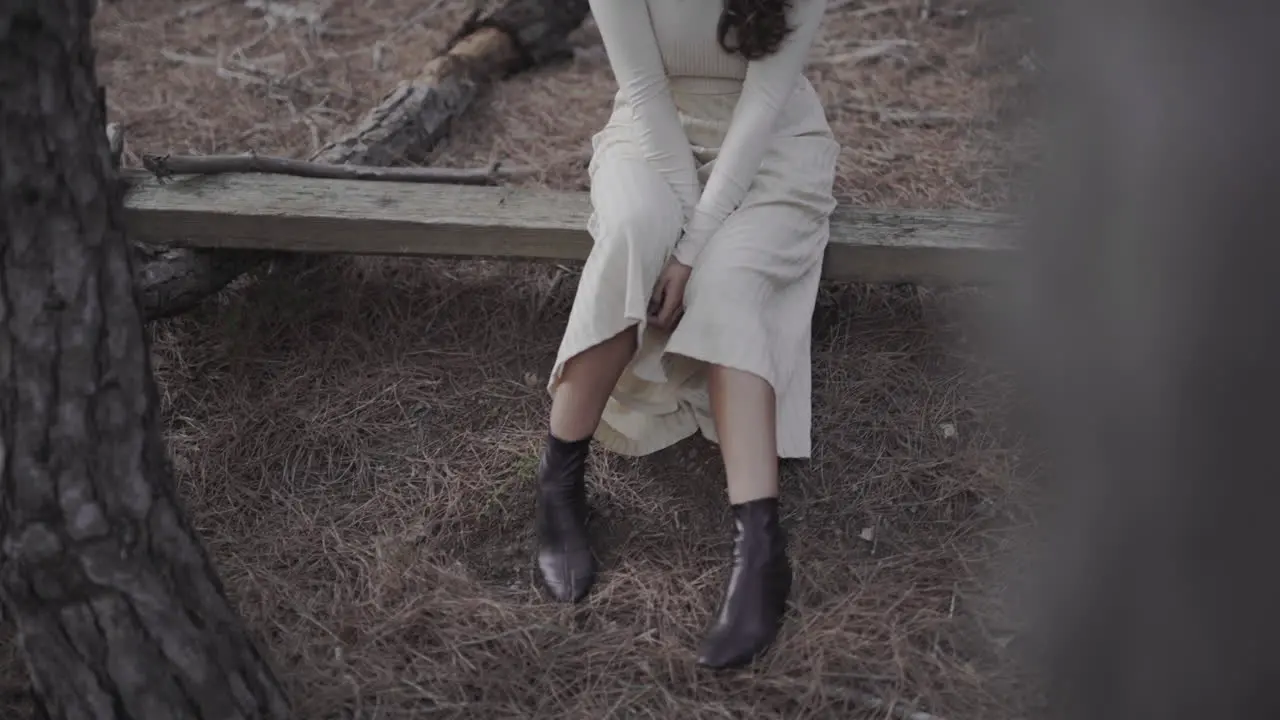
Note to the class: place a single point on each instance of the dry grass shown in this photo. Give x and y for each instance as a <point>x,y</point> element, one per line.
<point>355,445</point>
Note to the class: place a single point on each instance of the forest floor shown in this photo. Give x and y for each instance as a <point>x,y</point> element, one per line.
<point>355,445</point>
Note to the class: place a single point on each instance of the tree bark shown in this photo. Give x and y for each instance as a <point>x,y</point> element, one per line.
<point>406,125</point>
<point>118,608</point>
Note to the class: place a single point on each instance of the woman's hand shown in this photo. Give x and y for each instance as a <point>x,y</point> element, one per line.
<point>666,306</point>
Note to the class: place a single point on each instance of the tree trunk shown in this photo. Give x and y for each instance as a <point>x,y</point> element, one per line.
<point>406,125</point>
<point>118,609</point>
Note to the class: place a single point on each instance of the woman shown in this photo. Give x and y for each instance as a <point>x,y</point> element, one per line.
<point>694,308</point>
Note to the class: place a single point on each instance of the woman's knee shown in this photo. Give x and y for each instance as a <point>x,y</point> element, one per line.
<point>634,208</point>
<point>639,226</point>
<point>743,384</point>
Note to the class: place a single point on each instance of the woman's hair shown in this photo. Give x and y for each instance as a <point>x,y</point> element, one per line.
<point>758,27</point>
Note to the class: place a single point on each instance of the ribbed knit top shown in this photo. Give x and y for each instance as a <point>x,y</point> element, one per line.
<point>649,41</point>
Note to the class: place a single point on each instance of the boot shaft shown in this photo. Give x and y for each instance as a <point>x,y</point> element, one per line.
<point>758,534</point>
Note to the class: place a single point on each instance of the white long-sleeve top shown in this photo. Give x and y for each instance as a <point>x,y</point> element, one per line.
<point>647,42</point>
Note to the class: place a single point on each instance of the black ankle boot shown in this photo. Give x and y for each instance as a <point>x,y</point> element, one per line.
<point>564,552</point>
<point>755,595</point>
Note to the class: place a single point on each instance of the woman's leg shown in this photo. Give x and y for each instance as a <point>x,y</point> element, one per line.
<point>749,306</point>
<point>564,550</point>
<point>755,595</point>
<point>636,219</point>
<point>744,408</point>
<point>585,384</point>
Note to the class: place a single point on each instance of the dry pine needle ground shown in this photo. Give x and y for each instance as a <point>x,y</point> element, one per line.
<point>355,444</point>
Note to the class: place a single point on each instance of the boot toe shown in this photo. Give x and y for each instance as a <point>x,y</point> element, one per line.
<point>725,650</point>
<point>568,576</point>
<point>717,659</point>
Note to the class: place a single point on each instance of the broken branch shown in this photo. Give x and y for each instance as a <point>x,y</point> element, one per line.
<point>165,166</point>
<point>908,117</point>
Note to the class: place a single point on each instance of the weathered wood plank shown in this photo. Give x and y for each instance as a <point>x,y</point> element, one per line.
<point>271,212</point>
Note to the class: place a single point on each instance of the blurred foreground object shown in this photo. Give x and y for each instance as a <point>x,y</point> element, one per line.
<point>1152,349</point>
<point>119,611</point>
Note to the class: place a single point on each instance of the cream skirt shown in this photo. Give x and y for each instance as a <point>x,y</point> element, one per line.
<point>749,303</point>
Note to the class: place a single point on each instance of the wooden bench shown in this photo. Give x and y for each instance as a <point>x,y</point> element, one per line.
<point>280,212</point>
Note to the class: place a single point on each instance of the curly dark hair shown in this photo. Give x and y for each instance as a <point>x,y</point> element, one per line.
<point>758,27</point>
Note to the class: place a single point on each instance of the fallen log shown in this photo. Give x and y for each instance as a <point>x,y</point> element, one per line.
<point>406,125</point>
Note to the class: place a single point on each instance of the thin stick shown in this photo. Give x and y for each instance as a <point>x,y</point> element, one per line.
<point>907,117</point>
<point>165,166</point>
<point>902,712</point>
<point>561,272</point>
<point>899,711</point>
<point>864,12</point>
<point>867,53</point>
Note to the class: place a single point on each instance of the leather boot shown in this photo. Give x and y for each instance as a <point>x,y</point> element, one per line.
<point>755,596</point>
<point>564,551</point>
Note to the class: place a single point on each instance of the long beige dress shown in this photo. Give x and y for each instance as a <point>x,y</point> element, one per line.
<point>728,166</point>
